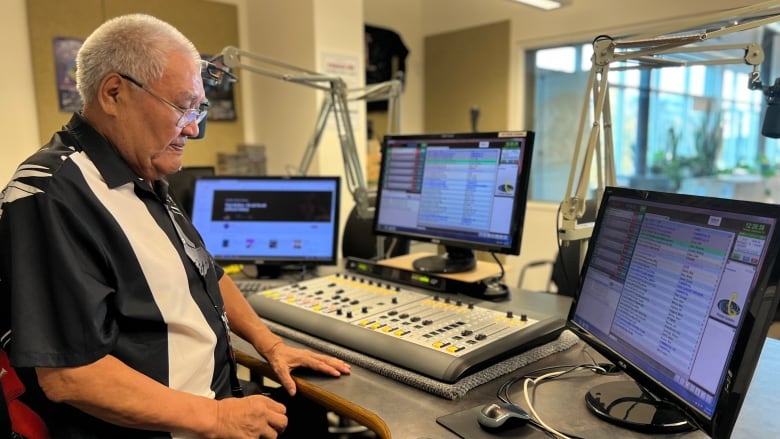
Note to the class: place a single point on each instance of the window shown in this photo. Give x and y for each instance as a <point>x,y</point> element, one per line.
<point>680,129</point>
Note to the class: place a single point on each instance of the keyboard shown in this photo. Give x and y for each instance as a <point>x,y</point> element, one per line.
<point>252,286</point>
<point>441,336</point>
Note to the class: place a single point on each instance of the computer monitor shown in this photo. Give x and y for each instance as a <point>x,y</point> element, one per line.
<point>466,191</point>
<point>678,291</point>
<point>269,221</point>
<point>181,184</point>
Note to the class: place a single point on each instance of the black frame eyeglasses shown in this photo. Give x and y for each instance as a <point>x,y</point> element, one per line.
<point>188,115</point>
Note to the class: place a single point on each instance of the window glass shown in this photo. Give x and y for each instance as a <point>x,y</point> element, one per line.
<point>690,129</point>
<point>559,58</point>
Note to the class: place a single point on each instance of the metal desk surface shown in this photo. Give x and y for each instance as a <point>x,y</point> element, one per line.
<point>394,409</point>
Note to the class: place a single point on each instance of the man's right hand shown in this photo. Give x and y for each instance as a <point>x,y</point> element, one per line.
<point>254,416</point>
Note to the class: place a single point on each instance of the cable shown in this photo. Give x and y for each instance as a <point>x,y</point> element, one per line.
<point>531,408</point>
<point>500,277</point>
<point>503,392</point>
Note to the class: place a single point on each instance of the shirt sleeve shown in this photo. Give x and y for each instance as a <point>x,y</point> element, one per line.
<point>55,275</point>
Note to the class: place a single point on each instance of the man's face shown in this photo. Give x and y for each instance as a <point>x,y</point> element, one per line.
<point>148,137</point>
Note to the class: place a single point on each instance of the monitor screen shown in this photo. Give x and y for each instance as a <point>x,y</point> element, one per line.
<point>678,290</point>
<point>268,220</point>
<point>465,191</point>
<point>182,184</point>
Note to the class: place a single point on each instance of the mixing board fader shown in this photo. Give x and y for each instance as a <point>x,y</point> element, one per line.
<point>435,335</point>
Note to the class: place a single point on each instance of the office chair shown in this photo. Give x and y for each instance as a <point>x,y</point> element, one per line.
<point>565,268</point>
<point>5,418</point>
<point>17,419</point>
<point>359,240</point>
<point>182,184</point>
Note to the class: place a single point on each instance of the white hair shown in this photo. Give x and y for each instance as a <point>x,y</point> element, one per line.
<point>137,45</point>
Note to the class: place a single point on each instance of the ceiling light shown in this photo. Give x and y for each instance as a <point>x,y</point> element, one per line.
<point>544,4</point>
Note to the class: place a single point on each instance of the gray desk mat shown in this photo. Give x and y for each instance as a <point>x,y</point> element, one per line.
<point>455,390</point>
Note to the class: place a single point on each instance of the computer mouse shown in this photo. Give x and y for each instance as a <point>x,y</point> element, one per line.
<point>502,415</point>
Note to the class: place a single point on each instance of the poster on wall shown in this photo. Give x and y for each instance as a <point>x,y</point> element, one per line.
<point>65,50</point>
<point>346,67</point>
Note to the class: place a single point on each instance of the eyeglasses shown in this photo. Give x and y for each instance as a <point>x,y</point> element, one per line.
<point>188,115</point>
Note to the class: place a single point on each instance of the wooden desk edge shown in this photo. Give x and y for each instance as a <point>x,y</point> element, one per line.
<point>327,399</point>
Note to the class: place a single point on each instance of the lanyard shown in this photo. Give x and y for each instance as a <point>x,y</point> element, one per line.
<point>203,262</point>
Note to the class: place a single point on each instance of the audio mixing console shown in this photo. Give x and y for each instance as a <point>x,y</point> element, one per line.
<point>441,336</point>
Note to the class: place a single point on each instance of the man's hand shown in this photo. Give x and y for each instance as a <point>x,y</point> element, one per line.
<point>245,322</point>
<point>252,417</point>
<point>283,359</point>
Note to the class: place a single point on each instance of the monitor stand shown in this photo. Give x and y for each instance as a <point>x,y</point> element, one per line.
<point>456,260</point>
<point>626,404</point>
<point>277,271</point>
<point>268,271</point>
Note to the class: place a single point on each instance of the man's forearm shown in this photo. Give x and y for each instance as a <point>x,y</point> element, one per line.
<point>112,391</point>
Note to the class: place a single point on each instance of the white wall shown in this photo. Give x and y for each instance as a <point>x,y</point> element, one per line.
<point>531,28</point>
<point>405,18</point>
<point>18,119</point>
<point>290,40</point>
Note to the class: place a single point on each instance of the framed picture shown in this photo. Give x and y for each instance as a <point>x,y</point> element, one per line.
<point>65,50</point>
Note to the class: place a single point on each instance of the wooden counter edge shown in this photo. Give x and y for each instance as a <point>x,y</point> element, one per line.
<point>326,399</point>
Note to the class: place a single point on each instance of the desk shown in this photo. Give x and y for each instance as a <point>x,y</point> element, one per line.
<point>396,410</point>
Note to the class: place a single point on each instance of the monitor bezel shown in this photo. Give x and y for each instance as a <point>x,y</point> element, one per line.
<point>286,260</point>
<point>751,334</point>
<point>521,198</point>
<point>181,184</point>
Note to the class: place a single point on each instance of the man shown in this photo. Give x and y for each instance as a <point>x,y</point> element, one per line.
<point>115,309</point>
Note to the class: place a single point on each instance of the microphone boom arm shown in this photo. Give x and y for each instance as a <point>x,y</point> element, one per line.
<point>335,101</point>
<point>662,48</point>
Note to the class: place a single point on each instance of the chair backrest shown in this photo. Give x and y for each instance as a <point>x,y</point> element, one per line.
<point>16,418</point>
<point>359,240</point>
<point>566,269</point>
<point>181,184</point>
<point>5,418</point>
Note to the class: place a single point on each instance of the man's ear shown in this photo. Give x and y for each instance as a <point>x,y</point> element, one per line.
<point>111,94</point>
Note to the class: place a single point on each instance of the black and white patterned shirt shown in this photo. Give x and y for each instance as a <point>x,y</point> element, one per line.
<point>94,262</point>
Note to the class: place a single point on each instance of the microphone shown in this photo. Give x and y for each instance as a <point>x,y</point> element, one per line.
<point>474,117</point>
<point>215,77</point>
<point>771,125</point>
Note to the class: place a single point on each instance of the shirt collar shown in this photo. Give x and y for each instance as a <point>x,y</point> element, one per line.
<point>115,171</point>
